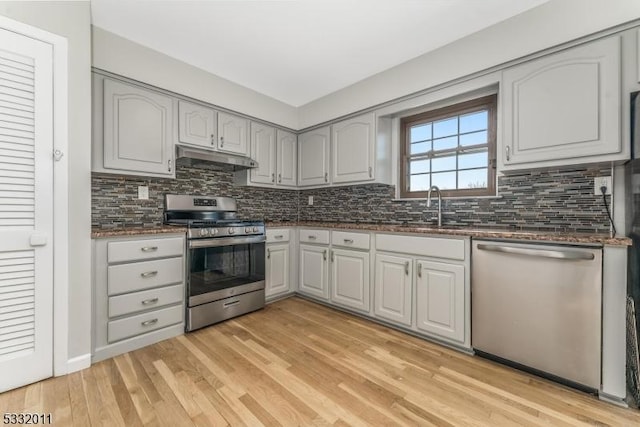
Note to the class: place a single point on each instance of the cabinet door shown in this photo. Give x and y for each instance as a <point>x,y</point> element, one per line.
<point>263,150</point>
<point>277,270</point>
<point>563,107</point>
<point>196,124</point>
<point>287,158</point>
<point>392,298</point>
<point>313,155</point>
<point>440,299</point>
<point>350,278</point>
<point>233,134</point>
<point>353,149</point>
<point>137,129</point>
<point>314,280</point>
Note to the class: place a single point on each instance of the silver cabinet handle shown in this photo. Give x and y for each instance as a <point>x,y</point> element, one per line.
<point>150,301</point>
<point>324,255</point>
<point>370,172</point>
<point>419,269</point>
<point>279,236</point>
<point>149,248</point>
<point>279,177</point>
<point>348,240</point>
<point>149,274</point>
<point>312,237</point>
<point>169,165</point>
<point>231,303</point>
<point>213,139</point>
<point>273,177</point>
<point>222,141</point>
<point>333,257</point>
<point>149,322</point>
<point>542,253</point>
<point>326,177</point>
<point>508,152</point>
<point>268,253</point>
<point>57,155</point>
<point>406,268</point>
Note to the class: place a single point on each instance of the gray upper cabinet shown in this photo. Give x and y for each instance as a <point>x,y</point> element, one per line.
<point>563,109</point>
<point>263,150</point>
<point>287,158</point>
<point>313,157</point>
<point>197,124</point>
<point>233,134</point>
<point>137,130</point>
<point>353,149</point>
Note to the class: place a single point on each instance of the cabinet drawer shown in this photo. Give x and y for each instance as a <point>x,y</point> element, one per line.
<point>134,250</point>
<point>277,235</point>
<point>142,323</point>
<point>143,275</point>
<point>314,236</point>
<point>350,239</point>
<point>145,300</point>
<point>436,247</point>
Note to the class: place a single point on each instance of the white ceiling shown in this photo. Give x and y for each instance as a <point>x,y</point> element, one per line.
<point>299,50</point>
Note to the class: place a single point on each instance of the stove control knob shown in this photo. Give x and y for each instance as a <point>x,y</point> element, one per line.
<point>231,230</point>
<point>255,229</point>
<point>213,231</point>
<point>204,232</point>
<point>247,230</point>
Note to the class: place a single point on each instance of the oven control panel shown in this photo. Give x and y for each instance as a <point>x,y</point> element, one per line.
<point>222,231</point>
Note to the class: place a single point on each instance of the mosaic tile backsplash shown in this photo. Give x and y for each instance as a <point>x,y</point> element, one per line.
<point>543,200</point>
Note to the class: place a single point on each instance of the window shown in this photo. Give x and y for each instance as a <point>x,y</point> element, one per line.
<point>451,147</point>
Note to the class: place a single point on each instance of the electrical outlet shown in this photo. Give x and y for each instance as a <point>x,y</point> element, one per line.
<point>601,181</point>
<point>310,200</point>
<point>143,192</point>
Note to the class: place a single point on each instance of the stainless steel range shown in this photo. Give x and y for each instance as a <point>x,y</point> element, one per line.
<point>225,258</point>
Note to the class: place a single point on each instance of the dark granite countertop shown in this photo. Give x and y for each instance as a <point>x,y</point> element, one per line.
<point>97,233</point>
<point>488,233</point>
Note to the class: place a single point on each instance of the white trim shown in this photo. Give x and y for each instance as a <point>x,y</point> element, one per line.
<point>60,189</point>
<point>78,363</point>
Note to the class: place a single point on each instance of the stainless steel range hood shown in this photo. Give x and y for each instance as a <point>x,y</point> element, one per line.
<point>212,160</point>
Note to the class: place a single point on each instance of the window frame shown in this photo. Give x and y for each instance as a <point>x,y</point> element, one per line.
<point>489,103</point>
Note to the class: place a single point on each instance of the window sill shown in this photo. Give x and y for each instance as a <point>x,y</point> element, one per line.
<point>397,199</point>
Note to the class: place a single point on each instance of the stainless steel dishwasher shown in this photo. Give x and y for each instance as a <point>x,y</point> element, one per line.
<point>539,306</point>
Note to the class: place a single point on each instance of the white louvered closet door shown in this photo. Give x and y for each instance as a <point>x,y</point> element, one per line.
<point>26,210</point>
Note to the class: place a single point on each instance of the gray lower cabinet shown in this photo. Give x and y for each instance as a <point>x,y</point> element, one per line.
<point>314,271</point>
<point>139,292</point>
<point>350,278</point>
<point>393,288</point>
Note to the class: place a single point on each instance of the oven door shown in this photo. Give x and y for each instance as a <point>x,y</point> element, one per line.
<point>223,267</point>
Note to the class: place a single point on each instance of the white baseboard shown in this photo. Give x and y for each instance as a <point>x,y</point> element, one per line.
<point>78,363</point>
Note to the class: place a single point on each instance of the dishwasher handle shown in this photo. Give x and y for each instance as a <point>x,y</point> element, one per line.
<point>543,253</point>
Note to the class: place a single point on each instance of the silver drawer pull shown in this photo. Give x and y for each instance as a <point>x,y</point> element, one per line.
<point>148,274</point>
<point>150,301</point>
<point>419,269</point>
<point>231,303</point>
<point>279,236</point>
<point>348,240</point>
<point>149,248</point>
<point>149,322</point>
<point>312,237</point>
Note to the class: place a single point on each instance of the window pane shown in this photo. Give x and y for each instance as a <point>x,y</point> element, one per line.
<point>445,127</point>
<point>419,166</point>
<point>421,132</point>
<point>445,143</point>
<point>474,121</point>
<point>419,182</point>
<point>443,163</point>
<point>473,138</point>
<point>476,178</point>
<point>472,160</point>
<point>444,181</point>
<point>420,147</point>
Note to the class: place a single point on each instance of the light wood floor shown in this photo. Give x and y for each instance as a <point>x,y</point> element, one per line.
<point>298,363</point>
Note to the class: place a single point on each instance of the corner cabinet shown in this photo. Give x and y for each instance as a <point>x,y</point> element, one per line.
<point>233,134</point>
<point>121,143</point>
<point>263,150</point>
<point>286,158</point>
<point>197,124</point>
<point>353,149</point>
<point>563,109</point>
<point>275,150</point>
<point>313,157</point>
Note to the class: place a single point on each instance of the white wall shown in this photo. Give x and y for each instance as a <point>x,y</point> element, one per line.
<point>72,20</point>
<point>547,25</point>
<point>127,58</point>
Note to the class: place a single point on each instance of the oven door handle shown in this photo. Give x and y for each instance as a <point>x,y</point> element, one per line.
<point>224,241</point>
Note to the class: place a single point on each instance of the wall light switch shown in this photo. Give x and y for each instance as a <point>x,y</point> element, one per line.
<point>143,192</point>
<point>601,181</point>
<point>310,200</point>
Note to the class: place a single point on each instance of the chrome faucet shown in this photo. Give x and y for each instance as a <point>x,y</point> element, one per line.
<point>435,187</point>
